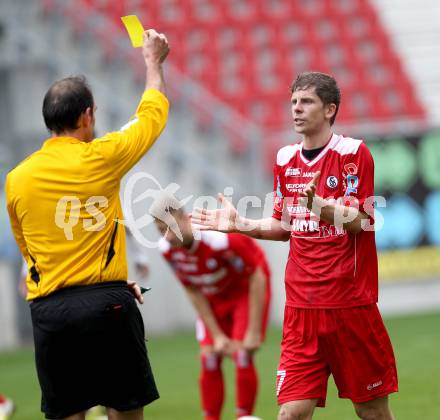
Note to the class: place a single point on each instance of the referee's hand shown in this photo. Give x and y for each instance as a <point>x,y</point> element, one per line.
<point>136,290</point>
<point>155,48</point>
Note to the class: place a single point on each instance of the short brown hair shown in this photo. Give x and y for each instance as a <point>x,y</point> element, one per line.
<point>325,86</point>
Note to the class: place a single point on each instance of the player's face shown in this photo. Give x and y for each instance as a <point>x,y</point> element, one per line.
<point>308,111</point>
<point>183,225</point>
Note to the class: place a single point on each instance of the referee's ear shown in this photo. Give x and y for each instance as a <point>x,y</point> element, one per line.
<point>87,122</point>
<point>90,114</point>
<point>85,118</point>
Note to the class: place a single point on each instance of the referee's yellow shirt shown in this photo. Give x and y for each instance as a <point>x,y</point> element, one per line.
<point>63,202</point>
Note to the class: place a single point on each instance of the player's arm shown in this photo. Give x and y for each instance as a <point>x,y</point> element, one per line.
<point>355,211</point>
<point>350,218</point>
<point>257,292</point>
<point>227,219</point>
<point>222,344</point>
<point>123,149</point>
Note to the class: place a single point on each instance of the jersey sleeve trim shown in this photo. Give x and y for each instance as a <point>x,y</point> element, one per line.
<point>286,153</point>
<point>163,245</point>
<point>347,146</point>
<point>216,240</point>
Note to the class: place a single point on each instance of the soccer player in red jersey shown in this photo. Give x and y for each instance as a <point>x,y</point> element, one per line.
<point>323,203</point>
<point>227,279</point>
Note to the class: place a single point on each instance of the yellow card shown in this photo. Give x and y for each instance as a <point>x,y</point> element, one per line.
<point>135,30</point>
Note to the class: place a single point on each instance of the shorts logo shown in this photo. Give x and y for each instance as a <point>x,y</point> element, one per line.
<point>374,385</point>
<point>281,375</point>
<point>293,172</point>
<point>332,182</point>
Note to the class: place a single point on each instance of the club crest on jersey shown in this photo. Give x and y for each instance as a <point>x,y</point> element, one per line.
<point>211,264</point>
<point>352,184</point>
<point>332,182</point>
<point>293,172</point>
<point>235,261</point>
<point>238,264</point>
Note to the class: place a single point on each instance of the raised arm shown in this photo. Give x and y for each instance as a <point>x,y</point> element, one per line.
<point>155,50</point>
<point>123,149</point>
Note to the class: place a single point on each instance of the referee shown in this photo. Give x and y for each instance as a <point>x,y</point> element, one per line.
<point>64,208</point>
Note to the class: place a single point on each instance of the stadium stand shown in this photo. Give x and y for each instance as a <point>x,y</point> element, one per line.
<point>245,52</point>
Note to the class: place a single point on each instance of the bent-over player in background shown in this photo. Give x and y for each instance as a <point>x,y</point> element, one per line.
<point>227,279</point>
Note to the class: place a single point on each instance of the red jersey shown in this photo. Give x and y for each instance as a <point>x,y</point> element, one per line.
<point>327,266</point>
<point>218,264</point>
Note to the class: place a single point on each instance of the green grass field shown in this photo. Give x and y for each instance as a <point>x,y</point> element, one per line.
<point>416,342</point>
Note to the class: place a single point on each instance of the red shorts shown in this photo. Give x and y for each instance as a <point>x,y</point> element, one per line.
<point>232,316</point>
<point>351,344</point>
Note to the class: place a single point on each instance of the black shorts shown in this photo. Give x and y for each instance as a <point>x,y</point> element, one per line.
<point>90,350</point>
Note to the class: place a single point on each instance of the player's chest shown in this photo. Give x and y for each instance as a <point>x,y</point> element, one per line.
<point>203,262</point>
<point>296,175</point>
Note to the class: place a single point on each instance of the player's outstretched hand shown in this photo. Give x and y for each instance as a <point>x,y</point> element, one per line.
<point>308,194</point>
<point>135,290</point>
<point>222,220</point>
<point>155,48</point>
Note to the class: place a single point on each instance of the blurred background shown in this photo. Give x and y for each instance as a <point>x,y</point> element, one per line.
<point>228,77</point>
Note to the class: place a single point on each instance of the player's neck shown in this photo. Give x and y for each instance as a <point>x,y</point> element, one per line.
<point>317,140</point>
<point>189,243</point>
